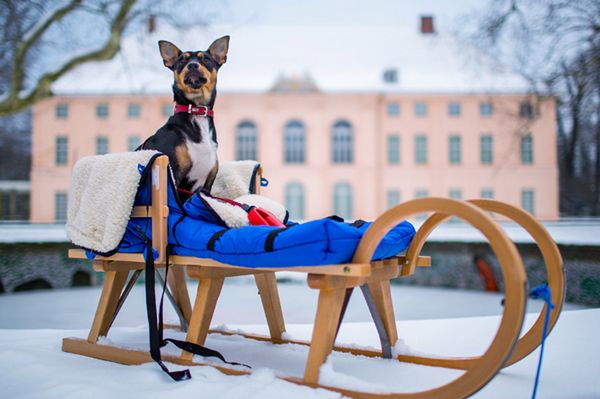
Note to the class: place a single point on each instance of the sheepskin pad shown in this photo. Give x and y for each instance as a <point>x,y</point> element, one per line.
<point>103,190</point>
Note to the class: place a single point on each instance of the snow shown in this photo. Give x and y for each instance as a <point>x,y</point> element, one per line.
<point>565,232</point>
<point>32,233</point>
<point>341,54</point>
<point>33,324</point>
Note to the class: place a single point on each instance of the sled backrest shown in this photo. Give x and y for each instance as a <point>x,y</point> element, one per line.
<point>158,210</point>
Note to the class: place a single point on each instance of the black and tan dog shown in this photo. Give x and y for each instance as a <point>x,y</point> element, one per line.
<point>189,137</point>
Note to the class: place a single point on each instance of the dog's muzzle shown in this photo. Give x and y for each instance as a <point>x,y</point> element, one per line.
<point>194,78</point>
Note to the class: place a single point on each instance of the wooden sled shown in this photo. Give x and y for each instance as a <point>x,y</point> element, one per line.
<point>335,283</point>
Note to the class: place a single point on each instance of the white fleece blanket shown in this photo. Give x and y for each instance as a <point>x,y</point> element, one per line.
<point>102,194</point>
<point>234,179</point>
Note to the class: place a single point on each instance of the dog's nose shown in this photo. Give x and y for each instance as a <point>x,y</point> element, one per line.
<point>192,65</point>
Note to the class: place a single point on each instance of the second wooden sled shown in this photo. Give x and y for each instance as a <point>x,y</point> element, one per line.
<point>333,283</point>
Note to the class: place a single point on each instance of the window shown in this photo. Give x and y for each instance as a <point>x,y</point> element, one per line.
<point>420,109</point>
<point>342,142</point>
<point>487,193</point>
<point>102,110</point>
<point>342,200</point>
<point>455,193</point>
<point>421,149</point>
<point>246,141</point>
<point>393,109</point>
<point>526,110</point>
<point>454,109</point>
<point>393,198</point>
<point>393,149</point>
<point>485,109</point>
<point>62,150</point>
<point>62,111</point>
<point>421,193</point>
<point>528,200</point>
<point>454,149</point>
<point>294,200</point>
<point>167,110</point>
<point>134,110</point>
<point>486,149</point>
<point>101,145</point>
<point>133,142</point>
<point>294,142</point>
<point>60,206</point>
<point>527,149</point>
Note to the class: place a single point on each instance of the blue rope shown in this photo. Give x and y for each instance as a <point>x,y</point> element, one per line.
<point>542,292</point>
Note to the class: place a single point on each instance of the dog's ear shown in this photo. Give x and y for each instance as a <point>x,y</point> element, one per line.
<point>218,50</point>
<point>169,53</point>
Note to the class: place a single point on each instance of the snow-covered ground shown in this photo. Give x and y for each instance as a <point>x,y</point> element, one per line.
<point>437,321</point>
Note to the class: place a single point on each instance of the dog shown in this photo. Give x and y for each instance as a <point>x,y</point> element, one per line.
<point>189,137</point>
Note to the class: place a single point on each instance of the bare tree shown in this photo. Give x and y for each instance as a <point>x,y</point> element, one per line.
<point>555,46</point>
<point>43,40</point>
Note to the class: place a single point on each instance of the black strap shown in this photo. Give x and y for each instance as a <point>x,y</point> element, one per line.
<point>174,229</point>
<point>200,350</point>
<point>210,245</point>
<point>155,324</point>
<point>155,330</point>
<point>336,218</point>
<point>270,240</point>
<point>358,223</point>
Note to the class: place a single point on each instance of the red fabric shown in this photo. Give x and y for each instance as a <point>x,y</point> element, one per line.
<point>487,273</point>
<point>194,110</point>
<point>262,217</point>
<point>256,216</point>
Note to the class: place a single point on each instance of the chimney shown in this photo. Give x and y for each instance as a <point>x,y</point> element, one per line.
<point>151,23</point>
<point>427,24</point>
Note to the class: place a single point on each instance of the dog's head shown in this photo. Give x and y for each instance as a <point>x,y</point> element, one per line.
<point>195,71</point>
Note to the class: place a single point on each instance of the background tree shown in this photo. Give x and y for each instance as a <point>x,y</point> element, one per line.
<point>555,46</point>
<point>42,40</point>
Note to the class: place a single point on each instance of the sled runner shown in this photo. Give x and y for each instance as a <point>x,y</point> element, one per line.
<point>357,255</point>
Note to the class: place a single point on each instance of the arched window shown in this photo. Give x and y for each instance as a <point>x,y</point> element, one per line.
<point>342,143</point>
<point>343,200</point>
<point>246,141</point>
<point>294,200</point>
<point>294,142</point>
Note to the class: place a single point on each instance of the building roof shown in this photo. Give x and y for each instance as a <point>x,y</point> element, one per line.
<point>337,56</point>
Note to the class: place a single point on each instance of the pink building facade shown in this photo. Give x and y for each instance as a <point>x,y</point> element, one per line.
<point>352,154</point>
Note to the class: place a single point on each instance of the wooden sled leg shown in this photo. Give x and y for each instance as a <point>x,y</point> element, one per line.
<point>178,287</point>
<point>328,314</point>
<point>382,294</point>
<point>114,281</point>
<point>267,288</point>
<point>204,308</point>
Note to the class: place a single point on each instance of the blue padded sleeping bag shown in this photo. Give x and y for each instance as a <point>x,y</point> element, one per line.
<point>195,230</point>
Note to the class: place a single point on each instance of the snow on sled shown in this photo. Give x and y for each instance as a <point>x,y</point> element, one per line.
<point>159,231</point>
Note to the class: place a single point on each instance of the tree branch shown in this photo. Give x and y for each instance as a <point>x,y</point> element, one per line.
<point>15,102</point>
<point>18,69</point>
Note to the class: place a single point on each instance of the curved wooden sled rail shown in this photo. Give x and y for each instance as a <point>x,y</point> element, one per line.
<point>554,269</point>
<point>487,366</point>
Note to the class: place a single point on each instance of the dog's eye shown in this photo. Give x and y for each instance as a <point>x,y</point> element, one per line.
<point>186,55</point>
<point>199,54</point>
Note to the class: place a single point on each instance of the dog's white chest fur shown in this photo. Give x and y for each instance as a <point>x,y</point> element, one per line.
<point>203,154</point>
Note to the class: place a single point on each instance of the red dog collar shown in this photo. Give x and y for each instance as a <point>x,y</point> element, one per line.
<point>193,109</point>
